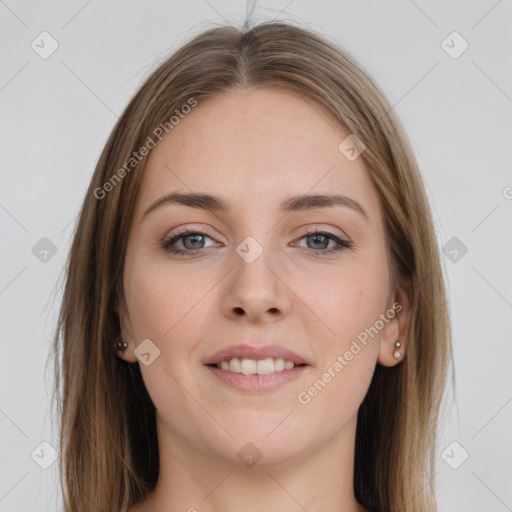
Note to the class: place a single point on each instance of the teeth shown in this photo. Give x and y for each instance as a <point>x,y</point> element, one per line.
<point>264,366</point>
<point>253,366</point>
<point>234,365</point>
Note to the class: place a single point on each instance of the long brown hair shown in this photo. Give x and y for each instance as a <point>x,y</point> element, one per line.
<point>108,444</point>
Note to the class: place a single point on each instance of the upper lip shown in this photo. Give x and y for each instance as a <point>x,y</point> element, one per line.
<point>251,352</point>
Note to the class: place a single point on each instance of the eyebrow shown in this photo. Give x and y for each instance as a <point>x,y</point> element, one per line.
<point>293,203</point>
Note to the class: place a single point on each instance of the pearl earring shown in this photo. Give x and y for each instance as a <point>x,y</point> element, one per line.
<point>122,346</point>
<point>397,351</point>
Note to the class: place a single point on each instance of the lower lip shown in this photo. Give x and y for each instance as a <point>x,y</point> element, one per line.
<point>256,382</point>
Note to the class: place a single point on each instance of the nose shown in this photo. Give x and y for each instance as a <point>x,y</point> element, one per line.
<point>256,290</point>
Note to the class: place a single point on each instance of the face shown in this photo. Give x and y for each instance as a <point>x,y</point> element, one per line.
<point>259,276</point>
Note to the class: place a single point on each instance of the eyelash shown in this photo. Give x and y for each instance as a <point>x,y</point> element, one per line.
<point>169,241</point>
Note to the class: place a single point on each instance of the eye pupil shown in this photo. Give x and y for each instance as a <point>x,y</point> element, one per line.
<point>322,238</point>
<point>192,237</point>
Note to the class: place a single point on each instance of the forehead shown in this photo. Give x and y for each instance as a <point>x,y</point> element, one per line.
<point>256,143</point>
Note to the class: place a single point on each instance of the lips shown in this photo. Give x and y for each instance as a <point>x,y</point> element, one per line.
<point>255,353</point>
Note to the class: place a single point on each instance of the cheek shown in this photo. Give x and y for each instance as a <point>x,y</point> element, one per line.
<point>347,302</point>
<point>350,303</point>
<point>349,307</point>
<point>166,307</point>
<point>163,300</point>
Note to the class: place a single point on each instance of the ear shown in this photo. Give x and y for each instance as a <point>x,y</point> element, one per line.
<point>126,333</point>
<point>397,328</point>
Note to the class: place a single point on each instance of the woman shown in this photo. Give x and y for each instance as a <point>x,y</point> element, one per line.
<point>254,315</point>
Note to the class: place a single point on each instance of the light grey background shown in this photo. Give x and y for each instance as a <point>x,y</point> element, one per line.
<point>56,114</point>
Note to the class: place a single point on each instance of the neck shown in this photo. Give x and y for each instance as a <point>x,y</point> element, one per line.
<point>199,481</point>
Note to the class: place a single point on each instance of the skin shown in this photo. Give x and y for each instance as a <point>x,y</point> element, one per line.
<point>254,148</point>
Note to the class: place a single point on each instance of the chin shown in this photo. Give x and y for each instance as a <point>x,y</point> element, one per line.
<point>266,444</point>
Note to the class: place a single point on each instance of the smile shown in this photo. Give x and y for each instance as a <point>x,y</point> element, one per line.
<point>251,375</point>
<point>255,366</point>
